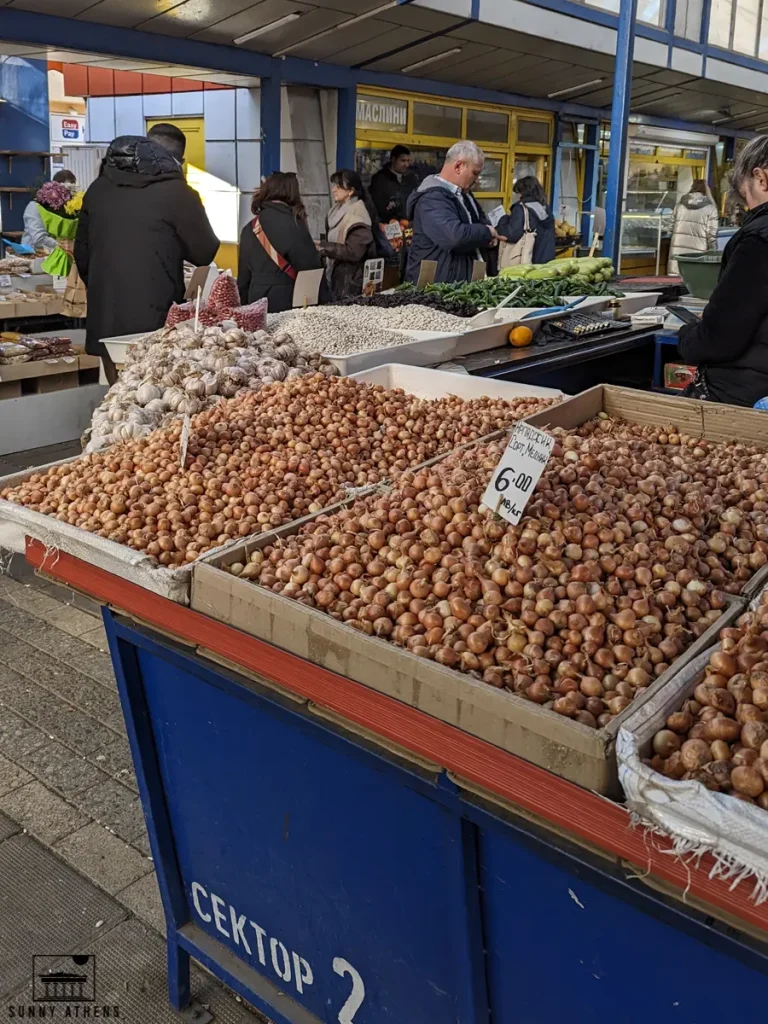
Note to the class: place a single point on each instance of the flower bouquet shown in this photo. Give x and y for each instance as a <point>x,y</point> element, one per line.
<point>59,209</point>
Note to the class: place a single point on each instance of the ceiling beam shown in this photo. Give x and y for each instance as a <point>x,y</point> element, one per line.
<point>44,30</point>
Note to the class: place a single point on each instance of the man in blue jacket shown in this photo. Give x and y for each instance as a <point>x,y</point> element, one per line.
<point>448,224</point>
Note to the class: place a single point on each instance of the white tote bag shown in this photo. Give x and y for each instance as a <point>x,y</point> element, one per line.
<point>513,254</point>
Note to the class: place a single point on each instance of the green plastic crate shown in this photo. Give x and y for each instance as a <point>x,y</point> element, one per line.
<point>700,272</point>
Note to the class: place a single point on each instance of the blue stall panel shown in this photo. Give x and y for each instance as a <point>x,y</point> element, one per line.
<point>562,949</point>
<point>309,859</point>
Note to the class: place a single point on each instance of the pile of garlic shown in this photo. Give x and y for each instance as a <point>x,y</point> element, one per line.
<point>178,370</point>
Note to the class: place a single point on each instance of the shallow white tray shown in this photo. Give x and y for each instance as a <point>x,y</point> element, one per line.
<point>118,347</point>
<point>425,351</point>
<point>425,383</point>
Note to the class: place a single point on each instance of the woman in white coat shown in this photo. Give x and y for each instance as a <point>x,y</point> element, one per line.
<point>695,226</point>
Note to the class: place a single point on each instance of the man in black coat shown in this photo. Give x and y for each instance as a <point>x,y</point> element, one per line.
<point>449,226</point>
<point>140,221</point>
<point>391,186</point>
<point>730,342</point>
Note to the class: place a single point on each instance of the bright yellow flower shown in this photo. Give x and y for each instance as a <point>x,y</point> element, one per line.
<point>75,204</point>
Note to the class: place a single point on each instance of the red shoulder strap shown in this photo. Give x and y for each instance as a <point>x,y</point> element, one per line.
<point>271,251</point>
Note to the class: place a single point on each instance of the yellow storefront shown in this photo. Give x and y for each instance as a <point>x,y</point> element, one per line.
<point>516,142</point>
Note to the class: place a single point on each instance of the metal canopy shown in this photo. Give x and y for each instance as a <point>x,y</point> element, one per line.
<point>457,51</point>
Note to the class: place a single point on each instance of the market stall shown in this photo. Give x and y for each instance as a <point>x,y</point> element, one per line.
<point>378,640</point>
<point>383,852</point>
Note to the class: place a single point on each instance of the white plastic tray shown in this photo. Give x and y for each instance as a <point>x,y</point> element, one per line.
<point>431,348</point>
<point>425,383</point>
<point>424,351</point>
<point>118,347</point>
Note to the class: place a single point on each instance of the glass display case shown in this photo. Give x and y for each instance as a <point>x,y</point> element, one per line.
<point>643,237</point>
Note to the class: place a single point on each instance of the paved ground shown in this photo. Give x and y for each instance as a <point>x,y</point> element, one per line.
<point>75,866</point>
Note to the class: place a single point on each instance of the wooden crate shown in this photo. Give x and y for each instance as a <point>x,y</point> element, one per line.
<point>576,752</point>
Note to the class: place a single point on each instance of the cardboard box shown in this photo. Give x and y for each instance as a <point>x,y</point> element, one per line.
<point>574,751</point>
<point>712,420</point>
<point>54,382</point>
<point>7,309</point>
<point>66,365</point>
<point>678,376</point>
<point>30,308</point>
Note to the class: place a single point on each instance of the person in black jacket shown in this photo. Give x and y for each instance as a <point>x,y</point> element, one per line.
<point>729,344</point>
<point>276,244</point>
<point>530,195</point>
<point>139,222</point>
<point>391,186</point>
<point>449,226</point>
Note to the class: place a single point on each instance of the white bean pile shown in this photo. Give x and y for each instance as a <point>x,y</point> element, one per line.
<point>321,329</point>
<point>406,318</point>
<point>344,330</point>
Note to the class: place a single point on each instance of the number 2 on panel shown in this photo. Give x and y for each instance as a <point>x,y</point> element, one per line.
<point>356,996</point>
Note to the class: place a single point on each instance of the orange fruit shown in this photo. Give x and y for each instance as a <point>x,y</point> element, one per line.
<point>520,336</point>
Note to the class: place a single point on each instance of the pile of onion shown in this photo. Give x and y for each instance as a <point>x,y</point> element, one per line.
<point>575,608</point>
<point>707,501</point>
<point>719,737</point>
<point>255,462</point>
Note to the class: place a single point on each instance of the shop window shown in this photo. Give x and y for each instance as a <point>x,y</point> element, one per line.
<point>688,15</point>
<point>533,131</point>
<point>745,26</point>
<point>736,24</point>
<point>649,11</point>
<point>368,162</point>
<point>382,113</point>
<point>490,203</point>
<point>487,126</point>
<point>426,161</point>
<point>437,119</point>
<point>490,177</point>
<point>720,23</point>
<point>526,167</point>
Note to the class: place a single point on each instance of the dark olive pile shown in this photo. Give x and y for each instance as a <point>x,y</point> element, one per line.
<point>410,296</point>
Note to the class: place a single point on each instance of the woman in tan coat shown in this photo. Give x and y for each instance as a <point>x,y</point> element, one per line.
<point>350,241</point>
<point>695,226</point>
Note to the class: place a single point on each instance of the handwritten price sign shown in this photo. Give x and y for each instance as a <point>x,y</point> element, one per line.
<point>518,472</point>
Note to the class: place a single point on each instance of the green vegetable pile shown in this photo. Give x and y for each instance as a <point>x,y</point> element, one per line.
<point>535,292</point>
<point>582,271</point>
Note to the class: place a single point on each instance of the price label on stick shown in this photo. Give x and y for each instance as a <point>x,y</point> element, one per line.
<point>185,428</point>
<point>518,472</point>
<point>5,281</point>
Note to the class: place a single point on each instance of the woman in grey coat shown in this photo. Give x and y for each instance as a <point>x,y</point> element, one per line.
<point>695,226</point>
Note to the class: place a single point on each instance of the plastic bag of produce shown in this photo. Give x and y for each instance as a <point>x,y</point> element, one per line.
<point>13,352</point>
<point>250,318</point>
<point>224,294</point>
<point>696,819</point>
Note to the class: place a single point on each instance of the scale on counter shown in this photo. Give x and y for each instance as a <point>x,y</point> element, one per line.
<point>579,325</point>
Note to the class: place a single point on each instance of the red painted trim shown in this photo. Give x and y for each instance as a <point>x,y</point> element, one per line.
<point>583,814</point>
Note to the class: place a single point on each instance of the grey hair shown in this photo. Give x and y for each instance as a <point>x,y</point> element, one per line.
<point>465,150</point>
<point>754,155</point>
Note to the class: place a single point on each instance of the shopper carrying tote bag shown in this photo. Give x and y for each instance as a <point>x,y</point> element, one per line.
<point>529,227</point>
<point>519,253</point>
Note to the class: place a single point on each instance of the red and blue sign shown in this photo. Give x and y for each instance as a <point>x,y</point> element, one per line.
<point>70,128</point>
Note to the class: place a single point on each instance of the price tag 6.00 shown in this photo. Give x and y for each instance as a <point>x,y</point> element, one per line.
<point>518,472</point>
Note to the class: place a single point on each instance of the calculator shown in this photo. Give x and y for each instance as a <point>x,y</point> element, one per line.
<point>578,325</point>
